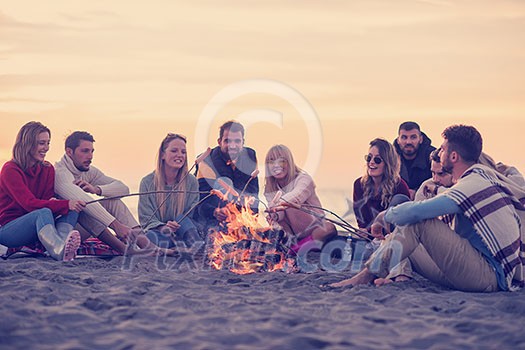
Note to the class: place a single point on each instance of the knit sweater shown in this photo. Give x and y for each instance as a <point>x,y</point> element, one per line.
<point>23,192</point>
<point>67,173</point>
<point>149,216</point>
<point>300,191</point>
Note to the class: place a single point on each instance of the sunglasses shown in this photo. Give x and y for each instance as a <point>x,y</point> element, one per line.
<point>376,159</point>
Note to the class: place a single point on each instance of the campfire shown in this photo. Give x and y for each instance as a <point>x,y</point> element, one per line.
<point>245,245</point>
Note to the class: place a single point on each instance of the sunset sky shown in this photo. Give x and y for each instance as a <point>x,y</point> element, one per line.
<point>323,77</point>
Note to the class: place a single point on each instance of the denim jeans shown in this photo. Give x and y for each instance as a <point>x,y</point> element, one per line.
<point>187,234</point>
<point>23,230</point>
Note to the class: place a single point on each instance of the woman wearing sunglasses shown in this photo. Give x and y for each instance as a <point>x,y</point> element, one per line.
<point>373,192</point>
<point>286,186</point>
<point>380,187</point>
<point>164,215</point>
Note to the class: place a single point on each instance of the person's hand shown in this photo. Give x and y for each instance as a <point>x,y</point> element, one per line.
<point>173,225</point>
<point>380,228</point>
<point>165,230</point>
<point>87,187</point>
<point>377,231</point>
<point>221,214</point>
<point>279,206</point>
<point>430,190</point>
<point>77,206</point>
<point>272,218</point>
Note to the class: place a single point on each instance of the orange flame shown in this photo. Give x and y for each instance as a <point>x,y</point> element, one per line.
<point>242,225</point>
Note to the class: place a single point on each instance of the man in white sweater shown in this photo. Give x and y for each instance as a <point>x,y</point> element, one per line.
<point>75,177</point>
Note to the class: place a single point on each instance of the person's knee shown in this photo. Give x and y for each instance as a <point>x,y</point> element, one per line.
<point>398,199</point>
<point>159,239</point>
<point>44,213</point>
<point>115,206</point>
<point>330,231</point>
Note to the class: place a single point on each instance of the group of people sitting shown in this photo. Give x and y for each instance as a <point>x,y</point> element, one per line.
<point>42,204</point>
<point>53,206</point>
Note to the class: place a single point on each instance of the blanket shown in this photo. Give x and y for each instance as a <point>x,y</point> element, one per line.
<point>495,207</point>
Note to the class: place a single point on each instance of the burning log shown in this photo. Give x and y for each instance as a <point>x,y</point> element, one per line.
<point>247,255</point>
<point>244,245</point>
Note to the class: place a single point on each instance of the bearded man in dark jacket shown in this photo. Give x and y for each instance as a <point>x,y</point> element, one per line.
<point>235,165</point>
<point>414,148</point>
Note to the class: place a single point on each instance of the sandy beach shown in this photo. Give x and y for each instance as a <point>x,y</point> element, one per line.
<point>160,303</point>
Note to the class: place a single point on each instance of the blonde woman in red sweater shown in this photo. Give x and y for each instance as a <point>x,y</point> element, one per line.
<point>286,183</point>
<point>28,207</point>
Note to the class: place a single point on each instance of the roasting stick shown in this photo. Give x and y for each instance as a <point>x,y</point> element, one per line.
<point>211,193</point>
<point>343,224</point>
<point>334,214</point>
<point>140,194</point>
<point>197,161</point>
<point>253,175</point>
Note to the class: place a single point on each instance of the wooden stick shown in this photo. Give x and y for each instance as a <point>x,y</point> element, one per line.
<point>345,225</point>
<point>253,175</point>
<point>140,194</point>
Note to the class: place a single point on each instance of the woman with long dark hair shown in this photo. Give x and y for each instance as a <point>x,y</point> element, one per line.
<point>374,191</point>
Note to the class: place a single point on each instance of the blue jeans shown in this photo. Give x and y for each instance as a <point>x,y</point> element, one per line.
<point>187,234</point>
<point>23,230</point>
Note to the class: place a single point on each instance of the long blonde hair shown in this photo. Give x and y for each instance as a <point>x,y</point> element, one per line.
<point>276,152</point>
<point>26,141</point>
<point>178,200</point>
<point>390,177</point>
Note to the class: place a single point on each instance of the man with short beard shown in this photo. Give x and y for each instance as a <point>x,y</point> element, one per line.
<point>235,164</point>
<point>75,178</point>
<point>414,148</point>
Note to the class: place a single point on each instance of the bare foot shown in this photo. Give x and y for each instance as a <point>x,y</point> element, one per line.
<point>341,284</point>
<point>363,277</point>
<point>382,281</point>
<point>402,278</point>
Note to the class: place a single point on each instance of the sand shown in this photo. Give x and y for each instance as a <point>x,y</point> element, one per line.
<point>145,302</point>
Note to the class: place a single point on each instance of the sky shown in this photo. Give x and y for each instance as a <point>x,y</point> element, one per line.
<point>323,77</point>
